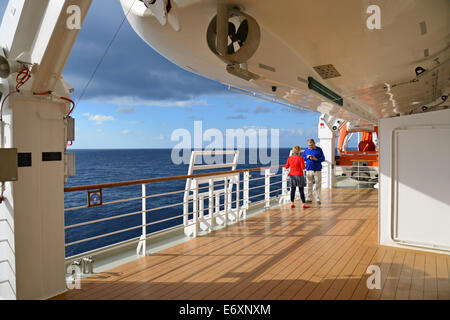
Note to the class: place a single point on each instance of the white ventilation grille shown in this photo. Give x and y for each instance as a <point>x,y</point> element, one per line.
<point>327,71</point>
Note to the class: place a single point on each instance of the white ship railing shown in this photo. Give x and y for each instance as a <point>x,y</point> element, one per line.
<point>363,175</point>
<point>239,212</point>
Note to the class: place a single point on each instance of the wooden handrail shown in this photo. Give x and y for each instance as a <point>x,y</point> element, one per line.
<point>145,181</point>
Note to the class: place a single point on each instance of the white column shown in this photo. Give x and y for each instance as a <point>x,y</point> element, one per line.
<point>327,140</point>
<point>33,209</point>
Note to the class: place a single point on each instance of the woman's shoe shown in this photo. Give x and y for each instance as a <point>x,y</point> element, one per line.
<point>292,205</point>
<point>306,206</point>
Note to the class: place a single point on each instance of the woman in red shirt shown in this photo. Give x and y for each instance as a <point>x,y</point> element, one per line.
<point>297,165</point>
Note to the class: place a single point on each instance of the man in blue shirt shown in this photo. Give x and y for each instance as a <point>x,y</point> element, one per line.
<point>314,157</point>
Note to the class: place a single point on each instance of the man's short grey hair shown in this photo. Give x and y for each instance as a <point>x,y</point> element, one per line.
<point>311,140</point>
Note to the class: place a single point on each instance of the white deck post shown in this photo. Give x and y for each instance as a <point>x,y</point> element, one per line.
<point>211,203</point>
<point>238,190</point>
<point>201,206</point>
<point>226,200</point>
<point>142,247</point>
<point>195,208</point>
<point>267,188</point>
<point>284,191</point>
<point>246,192</point>
<point>217,204</point>
<point>327,144</point>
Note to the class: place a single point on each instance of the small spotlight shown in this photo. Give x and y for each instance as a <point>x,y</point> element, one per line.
<point>419,70</point>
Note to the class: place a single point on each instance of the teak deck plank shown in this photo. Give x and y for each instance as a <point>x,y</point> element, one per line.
<point>283,253</point>
<point>443,278</point>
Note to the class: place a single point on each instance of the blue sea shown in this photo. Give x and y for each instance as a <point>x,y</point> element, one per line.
<point>114,165</point>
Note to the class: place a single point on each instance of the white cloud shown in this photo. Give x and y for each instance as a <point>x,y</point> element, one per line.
<point>254,128</point>
<point>98,118</point>
<point>126,110</point>
<point>261,109</point>
<point>126,131</point>
<point>292,132</point>
<point>237,117</point>
<point>135,122</point>
<point>131,100</point>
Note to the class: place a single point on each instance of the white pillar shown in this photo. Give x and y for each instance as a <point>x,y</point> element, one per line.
<point>32,241</point>
<point>34,205</point>
<point>327,140</point>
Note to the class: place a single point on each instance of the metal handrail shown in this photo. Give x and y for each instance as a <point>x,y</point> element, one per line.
<point>154,180</point>
<point>199,212</point>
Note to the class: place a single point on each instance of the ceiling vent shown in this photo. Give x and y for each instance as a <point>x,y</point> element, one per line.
<point>327,71</point>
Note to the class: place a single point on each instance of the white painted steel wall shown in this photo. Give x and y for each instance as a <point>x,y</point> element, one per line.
<point>414,202</point>
<point>7,257</point>
<point>32,264</point>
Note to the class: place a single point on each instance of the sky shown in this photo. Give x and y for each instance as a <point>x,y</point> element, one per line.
<point>138,98</point>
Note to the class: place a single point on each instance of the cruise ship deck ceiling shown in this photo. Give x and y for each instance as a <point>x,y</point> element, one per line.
<point>399,69</point>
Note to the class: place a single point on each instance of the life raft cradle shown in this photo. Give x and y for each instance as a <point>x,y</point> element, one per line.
<point>367,151</point>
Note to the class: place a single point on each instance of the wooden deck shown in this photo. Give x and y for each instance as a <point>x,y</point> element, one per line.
<point>317,253</point>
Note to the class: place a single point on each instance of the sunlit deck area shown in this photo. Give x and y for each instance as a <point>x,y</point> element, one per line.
<point>283,253</point>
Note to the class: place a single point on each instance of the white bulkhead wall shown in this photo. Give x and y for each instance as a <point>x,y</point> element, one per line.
<point>414,202</point>
<point>32,251</point>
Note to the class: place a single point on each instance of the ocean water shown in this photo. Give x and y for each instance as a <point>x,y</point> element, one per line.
<point>114,165</point>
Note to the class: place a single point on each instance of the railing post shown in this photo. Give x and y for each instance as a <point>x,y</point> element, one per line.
<point>226,200</point>
<point>357,172</point>
<point>238,190</point>
<point>186,205</point>
<point>246,192</point>
<point>195,208</point>
<point>201,208</point>
<point>284,192</point>
<point>217,205</point>
<point>142,246</point>
<point>267,188</point>
<point>211,203</point>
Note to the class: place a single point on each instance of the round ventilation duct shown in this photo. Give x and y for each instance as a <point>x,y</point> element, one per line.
<point>233,35</point>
